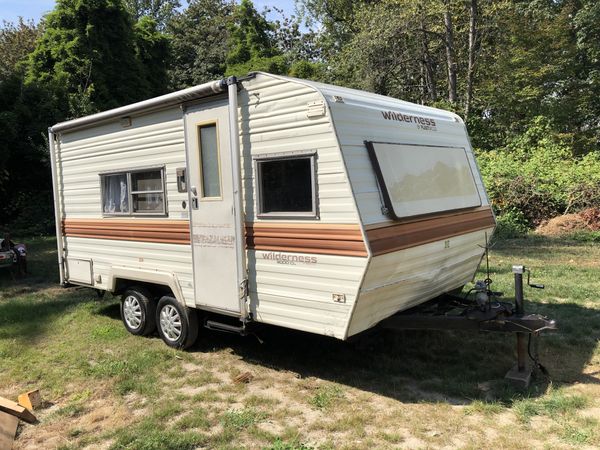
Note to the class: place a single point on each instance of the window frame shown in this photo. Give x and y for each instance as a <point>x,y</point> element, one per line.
<point>199,126</point>
<point>131,193</point>
<point>271,157</point>
<point>388,201</point>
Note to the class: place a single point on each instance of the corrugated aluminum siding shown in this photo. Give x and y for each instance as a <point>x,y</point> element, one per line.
<point>273,119</point>
<point>155,139</point>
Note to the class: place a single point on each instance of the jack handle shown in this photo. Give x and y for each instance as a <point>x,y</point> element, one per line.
<point>533,285</point>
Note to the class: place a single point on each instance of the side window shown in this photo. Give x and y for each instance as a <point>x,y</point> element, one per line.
<point>147,192</point>
<point>139,192</point>
<point>286,186</point>
<point>209,161</point>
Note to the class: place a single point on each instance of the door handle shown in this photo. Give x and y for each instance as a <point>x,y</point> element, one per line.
<point>194,199</point>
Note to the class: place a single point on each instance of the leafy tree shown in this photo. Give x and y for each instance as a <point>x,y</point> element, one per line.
<point>89,48</point>
<point>16,42</point>
<point>162,11</point>
<point>251,43</point>
<point>25,112</point>
<point>587,33</point>
<point>153,53</point>
<point>199,38</point>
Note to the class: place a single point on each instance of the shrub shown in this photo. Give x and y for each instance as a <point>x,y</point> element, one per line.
<point>511,224</point>
<point>537,176</point>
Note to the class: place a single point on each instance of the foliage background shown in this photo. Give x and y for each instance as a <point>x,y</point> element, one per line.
<point>523,74</point>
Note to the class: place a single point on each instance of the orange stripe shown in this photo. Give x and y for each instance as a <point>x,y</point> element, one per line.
<point>387,238</point>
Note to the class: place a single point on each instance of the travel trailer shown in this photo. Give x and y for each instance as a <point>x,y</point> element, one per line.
<point>267,199</point>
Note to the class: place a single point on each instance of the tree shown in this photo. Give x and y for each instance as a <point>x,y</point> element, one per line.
<point>89,48</point>
<point>25,112</point>
<point>450,54</point>
<point>199,38</point>
<point>251,43</point>
<point>153,53</point>
<point>162,11</point>
<point>587,33</point>
<point>16,42</point>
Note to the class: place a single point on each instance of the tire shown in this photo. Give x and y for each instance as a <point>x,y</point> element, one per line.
<point>138,311</point>
<point>177,325</point>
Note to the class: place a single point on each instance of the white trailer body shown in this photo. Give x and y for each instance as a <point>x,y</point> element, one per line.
<point>354,206</point>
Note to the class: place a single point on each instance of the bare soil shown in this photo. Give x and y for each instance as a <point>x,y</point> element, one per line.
<point>586,220</point>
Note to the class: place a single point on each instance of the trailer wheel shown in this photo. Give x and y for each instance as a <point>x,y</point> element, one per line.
<point>177,325</point>
<point>138,311</point>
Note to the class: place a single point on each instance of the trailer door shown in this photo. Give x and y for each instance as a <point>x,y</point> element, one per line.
<point>210,186</point>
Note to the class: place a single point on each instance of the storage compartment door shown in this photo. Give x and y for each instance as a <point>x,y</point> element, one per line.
<point>79,271</point>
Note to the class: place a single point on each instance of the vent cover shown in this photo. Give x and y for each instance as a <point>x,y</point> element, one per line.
<point>315,109</point>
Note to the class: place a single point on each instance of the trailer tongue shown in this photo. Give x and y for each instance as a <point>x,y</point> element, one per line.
<point>484,313</point>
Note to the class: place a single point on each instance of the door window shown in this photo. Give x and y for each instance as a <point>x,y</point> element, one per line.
<point>209,161</point>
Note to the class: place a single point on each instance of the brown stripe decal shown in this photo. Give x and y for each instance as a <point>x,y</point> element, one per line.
<point>391,238</point>
<point>144,230</point>
<point>343,240</point>
<point>325,239</point>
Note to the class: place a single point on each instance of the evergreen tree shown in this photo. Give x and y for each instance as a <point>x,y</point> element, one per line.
<point>89,48</point>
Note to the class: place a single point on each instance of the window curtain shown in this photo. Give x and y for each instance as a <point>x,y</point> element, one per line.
<point>116,197</point>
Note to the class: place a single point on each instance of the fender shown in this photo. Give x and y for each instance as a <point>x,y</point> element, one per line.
<point>149,276</point>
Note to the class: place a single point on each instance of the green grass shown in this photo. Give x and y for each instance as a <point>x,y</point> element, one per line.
<point>288,445</point>
<point>326,396</point>
<point>152,435</point>
<point>554,404</point>
<point>308,391</point>
<point>241,419</point>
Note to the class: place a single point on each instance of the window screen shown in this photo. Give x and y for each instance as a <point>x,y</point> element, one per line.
<point>209,160</point>
<point>133,192</point>
<point>286,186</point>
<point>147,191</point>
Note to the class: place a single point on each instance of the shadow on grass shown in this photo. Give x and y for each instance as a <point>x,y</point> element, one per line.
<point>112,311</point>
<point>27,317</point>
<point>414,366</point>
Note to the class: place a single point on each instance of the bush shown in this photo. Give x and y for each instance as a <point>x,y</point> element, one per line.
<point>537,175</point>
<point>511,224</point>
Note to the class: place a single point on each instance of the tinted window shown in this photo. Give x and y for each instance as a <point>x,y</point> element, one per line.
<point>286,185</point>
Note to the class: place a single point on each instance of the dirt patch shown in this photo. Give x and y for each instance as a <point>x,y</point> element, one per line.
<point>586,220</point>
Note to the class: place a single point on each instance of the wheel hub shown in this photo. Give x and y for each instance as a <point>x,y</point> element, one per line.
<point>132,312</point>
<point>170,323</point>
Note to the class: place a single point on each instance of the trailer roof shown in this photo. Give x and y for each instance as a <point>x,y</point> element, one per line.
<point>368,99</point>
<point>330,92</point>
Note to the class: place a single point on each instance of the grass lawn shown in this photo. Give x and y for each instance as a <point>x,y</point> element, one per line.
<point>105,388</point>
